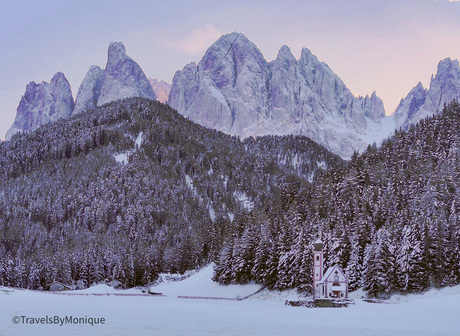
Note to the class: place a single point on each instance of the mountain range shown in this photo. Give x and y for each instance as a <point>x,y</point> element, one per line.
<point>421,102</point>
<point>126,189</point>
<point>235,90</point>
<point>161,89</point>
<point>47,102</point>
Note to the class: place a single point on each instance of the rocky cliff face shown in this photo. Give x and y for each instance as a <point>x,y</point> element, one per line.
<point>43,103</point>
<point>235,90</point>
<point>226,91</point>
<point>161,89</point>
<point>123,77</point>
<point>421,103</point>
<point>47,102</point>
<point>90,90</point>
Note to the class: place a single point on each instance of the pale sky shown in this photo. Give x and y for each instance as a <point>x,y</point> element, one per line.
<point>383,45</point>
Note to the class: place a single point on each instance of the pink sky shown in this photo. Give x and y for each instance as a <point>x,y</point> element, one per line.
<point>383,45</point>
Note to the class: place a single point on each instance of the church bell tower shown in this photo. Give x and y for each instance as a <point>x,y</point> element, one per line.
<point>317,266</point>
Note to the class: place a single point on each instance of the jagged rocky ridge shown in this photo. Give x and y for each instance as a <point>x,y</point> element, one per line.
<point>421,102</point>
<point>90,90</point>
<point>235,90</point>
<point>45,103</point>
<point>161,89</point>
<point>123,77</point>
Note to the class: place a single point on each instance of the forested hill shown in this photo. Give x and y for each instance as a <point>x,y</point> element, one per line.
<point>390,219</point>
<point>132,188</point>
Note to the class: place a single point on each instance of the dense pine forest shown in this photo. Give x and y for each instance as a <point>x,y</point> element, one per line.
<point>130,189</point>
<point>390,218</point>
<point>123,192</point>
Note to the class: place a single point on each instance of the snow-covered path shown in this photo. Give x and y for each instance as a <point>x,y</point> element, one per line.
<point>435,313</point>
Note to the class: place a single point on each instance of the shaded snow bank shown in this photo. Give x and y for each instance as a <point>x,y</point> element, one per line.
<point>123,158</point>
<point>201,284</point>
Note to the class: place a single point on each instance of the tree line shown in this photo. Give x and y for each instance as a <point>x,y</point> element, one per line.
<point>71,211</point>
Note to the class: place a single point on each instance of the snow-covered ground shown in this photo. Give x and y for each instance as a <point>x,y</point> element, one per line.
<point>123,158</point>
<point>433,313</point>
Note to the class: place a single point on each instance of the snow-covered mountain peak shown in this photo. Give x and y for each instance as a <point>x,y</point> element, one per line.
<point>307,56</point>
<point>43,103</point>
<point>161,89</point>
<point>285,54</point>
<point>235,90</point>
<point>90,90</point>
<point>421,103</point>
<point>448,73</point>
<point>232,50</point>
<point>448,65</point>
<point>58,79</point>
<point>116,53</point>
<point>373,107</point>
<point>123,77</point>
<point>227,39</point>
<point>216,52</point>
<point>46,102</point>
<point>31,87</point>
<point>419,87</point>
<point>94,68</point>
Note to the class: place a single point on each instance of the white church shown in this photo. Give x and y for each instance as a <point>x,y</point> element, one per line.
<point>330,285</point>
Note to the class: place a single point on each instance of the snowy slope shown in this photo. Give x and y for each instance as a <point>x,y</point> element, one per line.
<point>201,285</point>
<point>434,313</point>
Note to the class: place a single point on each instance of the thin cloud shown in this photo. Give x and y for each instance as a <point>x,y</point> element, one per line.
<point>198,40</point>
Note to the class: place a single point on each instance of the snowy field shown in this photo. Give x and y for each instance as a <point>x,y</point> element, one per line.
<point>434,313</point>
